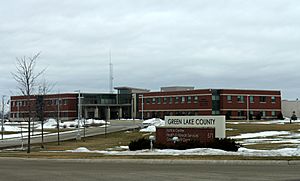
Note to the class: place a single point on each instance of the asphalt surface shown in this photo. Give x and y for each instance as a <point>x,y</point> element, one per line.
<point>115,126</point>
<point>146,170</point>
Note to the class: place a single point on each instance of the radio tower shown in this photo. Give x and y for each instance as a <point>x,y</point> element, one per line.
<point>111,78</point>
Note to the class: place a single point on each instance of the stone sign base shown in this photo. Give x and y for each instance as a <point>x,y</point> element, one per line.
<point>164,135</point>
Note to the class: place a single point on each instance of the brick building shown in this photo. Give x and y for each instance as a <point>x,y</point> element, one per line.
<point>133,102</point>
<point>234,103</point>
<point>65,106</point>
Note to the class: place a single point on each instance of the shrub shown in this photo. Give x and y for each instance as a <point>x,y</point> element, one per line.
<point>139,144</point>
<point>223,144</point>
<point>258,116</point>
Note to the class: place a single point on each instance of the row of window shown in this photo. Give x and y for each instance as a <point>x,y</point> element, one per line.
<point>244,113</point>
<point>170,100</point>
<point>251,99</point>
<point>195,99</point>
<point>47,102</point>
<point>24,115</point>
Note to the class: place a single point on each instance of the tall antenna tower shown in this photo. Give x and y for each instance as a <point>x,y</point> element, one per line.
<point>111,78</point>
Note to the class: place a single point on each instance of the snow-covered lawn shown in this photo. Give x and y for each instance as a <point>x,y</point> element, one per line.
<point>48,124</point>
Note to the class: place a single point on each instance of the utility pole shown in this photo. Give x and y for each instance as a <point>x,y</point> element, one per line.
<point>111,77</point>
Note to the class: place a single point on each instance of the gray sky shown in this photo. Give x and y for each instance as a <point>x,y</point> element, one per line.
<point>251,44</point>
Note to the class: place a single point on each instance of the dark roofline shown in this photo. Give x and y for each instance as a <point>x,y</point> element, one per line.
<point>130,88</point>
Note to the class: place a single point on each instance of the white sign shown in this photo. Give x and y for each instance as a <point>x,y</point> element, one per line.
<point>217,122</point>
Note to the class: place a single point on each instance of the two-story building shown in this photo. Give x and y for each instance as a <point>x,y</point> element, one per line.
<point>234,103</point>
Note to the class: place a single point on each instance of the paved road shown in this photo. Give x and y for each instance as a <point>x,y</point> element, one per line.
<point>145,170</point>
<point>114,127</point>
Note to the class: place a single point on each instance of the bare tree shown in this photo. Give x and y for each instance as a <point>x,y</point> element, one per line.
<point>45,87</point>
<point>26,79</point>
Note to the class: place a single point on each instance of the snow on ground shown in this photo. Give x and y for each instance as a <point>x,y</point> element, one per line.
<point>11,128</point>
<point>18,135</point>
<point>285,121</point>
<point>48,124</point>
<point>200,152</point>
<point>260,134</point>
<point>269,141</point>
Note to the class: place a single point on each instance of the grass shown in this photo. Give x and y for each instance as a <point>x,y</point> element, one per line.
<point>95,143</point>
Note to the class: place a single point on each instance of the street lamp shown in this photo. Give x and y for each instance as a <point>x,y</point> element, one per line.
<point>142,96</point>
<point>247,108</point>
<point>78,116</point>
<point>58,117</point>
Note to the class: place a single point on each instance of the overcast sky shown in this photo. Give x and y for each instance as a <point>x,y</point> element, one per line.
<point>249,44</point>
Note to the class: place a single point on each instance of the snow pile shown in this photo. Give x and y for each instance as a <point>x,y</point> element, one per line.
<point>95,122</point>
<point>260,134</point>
<point>201,152</point>
<point>150,129</point>
<point>79,150</point>
<point>151,124</point>
<point>48,124</point>
<point>154,122</point>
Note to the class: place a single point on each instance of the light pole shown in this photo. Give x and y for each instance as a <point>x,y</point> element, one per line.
<point>247,108</point>
<point>142,107</point>
<point>58,112</point>
<point>2,123</point>
<point>78,116</point>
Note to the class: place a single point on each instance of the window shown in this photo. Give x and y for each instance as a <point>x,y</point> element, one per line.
<point>165,100</point>
<point>251,99</point>
<point>273,100</point>
<point>229,98</point>
<point>215,112</point>
<point>158,100</point>
<point>176,100</point>
<point>262,99</point>
<point>196,99</point>
<point>182,99</point>
<point>148,100</point>
<point>251,112</point>
<point>273,113</point>
<point>263,113</point>
<point>170,100</point>
<point>215,98</point>
<point>240,113</point>
<point>189,99</point>
<point>240,98</point>
<point>153,100</point>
